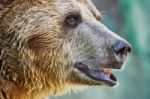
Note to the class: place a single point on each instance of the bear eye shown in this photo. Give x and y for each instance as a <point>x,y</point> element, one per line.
<point>73,20</point>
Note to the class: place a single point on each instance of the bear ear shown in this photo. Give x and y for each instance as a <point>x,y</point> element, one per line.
<point>6,2</point>
<point>92,8</point>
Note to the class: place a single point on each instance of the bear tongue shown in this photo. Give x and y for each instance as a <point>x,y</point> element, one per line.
<point>107,72</point>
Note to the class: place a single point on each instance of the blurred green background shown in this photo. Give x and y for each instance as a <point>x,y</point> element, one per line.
<point>131,20</point>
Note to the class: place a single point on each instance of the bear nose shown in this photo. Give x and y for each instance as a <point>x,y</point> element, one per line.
<point>121,47</point>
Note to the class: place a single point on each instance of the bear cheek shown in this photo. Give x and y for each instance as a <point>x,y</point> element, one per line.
<point>38,43</point>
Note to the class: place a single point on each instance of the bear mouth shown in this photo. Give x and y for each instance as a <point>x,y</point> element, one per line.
<point>103,75</point>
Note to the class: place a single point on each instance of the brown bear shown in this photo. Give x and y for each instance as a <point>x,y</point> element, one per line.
<point>48,47</point>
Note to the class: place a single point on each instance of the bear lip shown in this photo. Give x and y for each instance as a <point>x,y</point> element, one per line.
<point>104,75</point>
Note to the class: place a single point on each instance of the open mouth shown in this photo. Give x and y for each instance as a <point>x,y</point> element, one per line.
<point>99,74</point>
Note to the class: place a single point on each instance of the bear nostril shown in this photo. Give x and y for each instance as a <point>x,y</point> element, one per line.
<point>121,47</point>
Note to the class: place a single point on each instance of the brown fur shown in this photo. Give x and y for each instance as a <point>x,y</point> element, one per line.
<point>25,65</point>
<point>34,54</point>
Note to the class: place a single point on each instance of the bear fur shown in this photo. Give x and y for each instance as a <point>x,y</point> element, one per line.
<point>35,52</point>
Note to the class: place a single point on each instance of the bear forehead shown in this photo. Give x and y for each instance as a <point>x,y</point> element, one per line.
<point>67,4</point>
<point>71,6</point>
<point>85,6</point>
